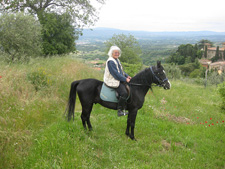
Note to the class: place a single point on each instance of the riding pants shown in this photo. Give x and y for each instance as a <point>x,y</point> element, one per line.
<point>121,90</point>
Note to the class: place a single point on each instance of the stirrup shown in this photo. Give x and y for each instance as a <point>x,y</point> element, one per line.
<point>121,113</point>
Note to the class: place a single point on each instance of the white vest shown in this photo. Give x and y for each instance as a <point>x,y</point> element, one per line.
<point>108,78</point>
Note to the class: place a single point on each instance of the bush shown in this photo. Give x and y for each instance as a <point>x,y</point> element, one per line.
<point>221,90</point>
<point>172,71</point>
<point>131,69</point>
<point>214,78</point>
<point>40,79</point>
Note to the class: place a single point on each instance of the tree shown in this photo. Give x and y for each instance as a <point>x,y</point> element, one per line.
<point>217,55</point>
<point>57,34</point>
<point>129,46</point>
<point>202,43</point>
<point>20,36</point>
<point>205,52</point>
<point>82,12</point>
<point>131,52</point>
<point>223,55</point>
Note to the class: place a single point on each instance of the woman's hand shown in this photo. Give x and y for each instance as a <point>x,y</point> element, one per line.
<point>128,79</point>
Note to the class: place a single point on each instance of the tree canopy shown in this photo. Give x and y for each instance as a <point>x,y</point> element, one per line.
<point>202,43</point>
<point>83,12</point>
<point>20,36</point>
<point>58,35</point>
<point>185,54</point>
<point>129,46</point>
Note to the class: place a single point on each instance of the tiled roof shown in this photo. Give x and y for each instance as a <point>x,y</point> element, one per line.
<point>214,49</point>
<point>218,63</point>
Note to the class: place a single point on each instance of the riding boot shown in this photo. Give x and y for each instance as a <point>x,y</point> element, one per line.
<point>121,107</point>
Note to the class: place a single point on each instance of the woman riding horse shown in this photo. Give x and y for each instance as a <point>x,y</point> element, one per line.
<point>115,77</point>
<point>88,91</point>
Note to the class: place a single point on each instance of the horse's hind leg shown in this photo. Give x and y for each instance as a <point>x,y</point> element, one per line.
<point>85,116</point>
<point>83,121</point>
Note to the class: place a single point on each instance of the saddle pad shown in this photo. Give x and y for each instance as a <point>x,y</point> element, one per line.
<point>108,94</point>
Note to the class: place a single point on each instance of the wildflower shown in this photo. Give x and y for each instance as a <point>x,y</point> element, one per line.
<point>163,101</point>
<point>209,125</point>
<point>206,122</point>
<point>197,117</point>
<point>212,124</point>
<point>0,76</point>
<point>210,118</point>
<point>217,122</point>
<point>223,121</point>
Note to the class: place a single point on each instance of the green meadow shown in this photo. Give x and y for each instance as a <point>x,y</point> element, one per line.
<point>178,128</point>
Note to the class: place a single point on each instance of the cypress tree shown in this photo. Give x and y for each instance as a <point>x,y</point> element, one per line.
<point>223,55</point>
<point>217,53</point>
<point>205,54</point>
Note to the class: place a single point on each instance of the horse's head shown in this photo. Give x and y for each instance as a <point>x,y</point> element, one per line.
<point>159,75</point>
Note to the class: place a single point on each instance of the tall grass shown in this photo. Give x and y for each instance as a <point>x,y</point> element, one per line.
<point>179,128</point>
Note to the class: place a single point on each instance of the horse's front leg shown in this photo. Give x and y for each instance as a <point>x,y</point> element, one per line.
<point>128,125</point>
<point>131,124</point>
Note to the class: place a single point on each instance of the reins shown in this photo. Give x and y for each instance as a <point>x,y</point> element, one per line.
<point>149,85</point>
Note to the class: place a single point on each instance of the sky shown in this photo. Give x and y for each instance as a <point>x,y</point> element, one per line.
<point>163,15</point>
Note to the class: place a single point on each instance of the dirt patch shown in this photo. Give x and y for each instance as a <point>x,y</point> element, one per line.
<point>167,145</point>
<point>174,118</point>
<point>178,119</point>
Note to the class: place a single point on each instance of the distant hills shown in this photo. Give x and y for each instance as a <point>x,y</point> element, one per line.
<point>102,34</point>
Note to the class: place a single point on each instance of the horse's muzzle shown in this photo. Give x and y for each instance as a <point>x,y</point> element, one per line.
<point>166,85</point>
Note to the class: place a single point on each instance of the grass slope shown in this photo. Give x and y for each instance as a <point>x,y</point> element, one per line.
<point>179,128</point>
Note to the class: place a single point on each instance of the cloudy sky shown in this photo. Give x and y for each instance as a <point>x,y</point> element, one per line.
<point>163,15</point>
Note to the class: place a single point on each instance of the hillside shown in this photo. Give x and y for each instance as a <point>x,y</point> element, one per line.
<point>178,128</point>
<point>154,45</point>
<point>102,34</point>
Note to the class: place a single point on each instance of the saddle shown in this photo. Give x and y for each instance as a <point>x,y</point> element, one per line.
<point>109,94</point>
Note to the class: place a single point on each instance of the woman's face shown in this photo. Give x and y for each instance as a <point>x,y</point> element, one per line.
<point>116,54</point>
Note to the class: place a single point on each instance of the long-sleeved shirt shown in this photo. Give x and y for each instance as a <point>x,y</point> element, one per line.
<point>114,72</point>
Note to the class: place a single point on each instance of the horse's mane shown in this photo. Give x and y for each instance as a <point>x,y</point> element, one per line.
<point>140,77</point>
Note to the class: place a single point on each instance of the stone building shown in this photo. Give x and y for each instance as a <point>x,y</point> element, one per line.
<point>211,51</point>
<point>219,66</point>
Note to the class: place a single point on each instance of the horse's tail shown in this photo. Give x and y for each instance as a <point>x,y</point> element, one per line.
<point>72,100</point>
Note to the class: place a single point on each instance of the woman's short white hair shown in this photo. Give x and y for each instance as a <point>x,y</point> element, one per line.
<point>112,49</point>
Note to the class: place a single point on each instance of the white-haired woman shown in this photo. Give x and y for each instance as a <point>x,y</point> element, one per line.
<point>115,77</point>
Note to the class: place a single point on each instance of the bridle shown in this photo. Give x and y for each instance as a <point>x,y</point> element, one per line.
<point>161,82</point>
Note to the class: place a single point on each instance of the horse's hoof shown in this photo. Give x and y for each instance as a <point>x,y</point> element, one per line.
<point>132,138</point>
<point>90,129</point>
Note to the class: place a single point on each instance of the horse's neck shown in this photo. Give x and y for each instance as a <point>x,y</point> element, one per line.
<point>144,79</point>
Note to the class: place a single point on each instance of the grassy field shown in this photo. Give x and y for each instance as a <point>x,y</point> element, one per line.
<point>178,128</point>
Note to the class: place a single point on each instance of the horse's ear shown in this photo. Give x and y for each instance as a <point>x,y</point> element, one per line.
<point>158,64</point>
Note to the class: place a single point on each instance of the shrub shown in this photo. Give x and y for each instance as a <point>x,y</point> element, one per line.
<point>173,71</point>
<point>131,69</point>
<point>40,79</point>
<point>221,90</point>
<point>214,78</point>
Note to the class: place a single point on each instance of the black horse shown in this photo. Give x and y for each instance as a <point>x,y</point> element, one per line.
<point>89,93</point>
